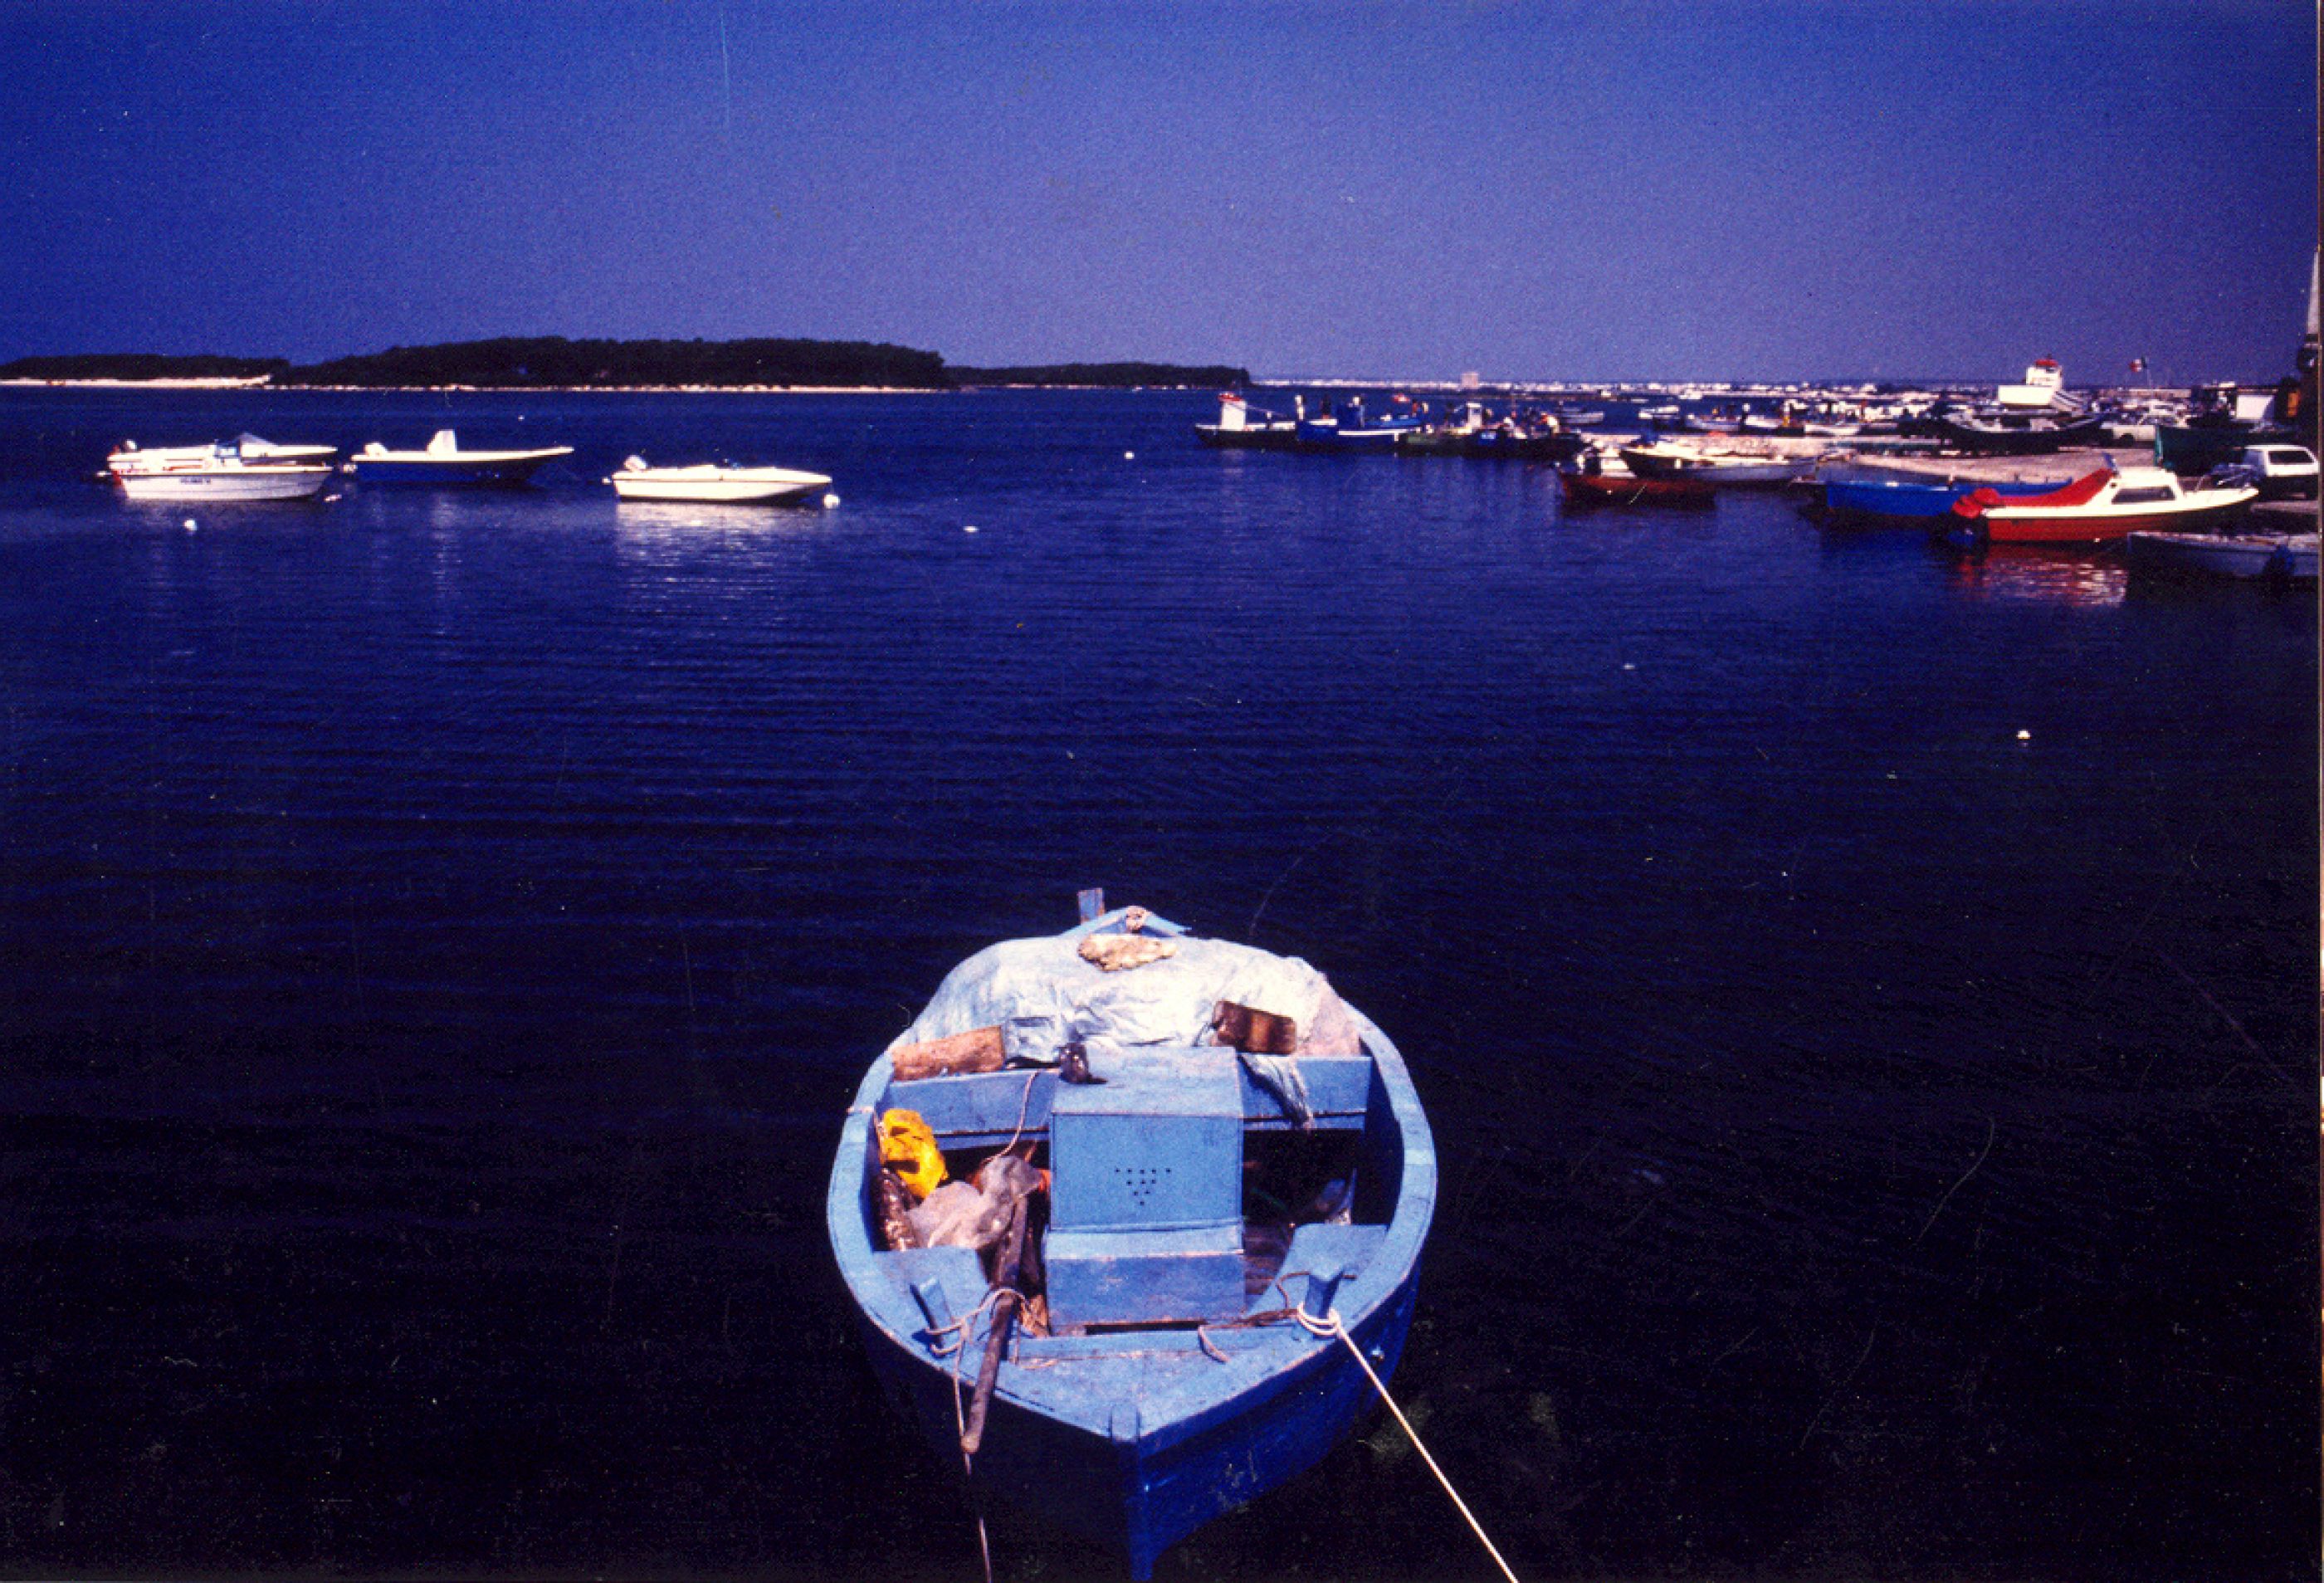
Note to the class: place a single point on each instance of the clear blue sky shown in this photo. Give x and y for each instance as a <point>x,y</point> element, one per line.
<point>1939,188</point>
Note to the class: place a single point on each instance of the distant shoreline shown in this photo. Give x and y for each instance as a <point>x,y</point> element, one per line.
<point>257,385</point>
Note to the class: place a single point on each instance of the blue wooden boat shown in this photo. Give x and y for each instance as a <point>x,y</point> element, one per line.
<point>1931,504</point>
<point>444,465</point>
<point>1348,427</point>
<point>1176,1382</point>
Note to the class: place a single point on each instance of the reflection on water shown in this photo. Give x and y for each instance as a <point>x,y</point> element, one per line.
<point>645,521</point>
<point>2086,577</point>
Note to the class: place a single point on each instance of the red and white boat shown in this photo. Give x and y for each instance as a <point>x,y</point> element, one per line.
<point>2098,508</point>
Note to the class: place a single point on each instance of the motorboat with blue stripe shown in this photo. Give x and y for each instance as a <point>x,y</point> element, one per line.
<point>442,464</point>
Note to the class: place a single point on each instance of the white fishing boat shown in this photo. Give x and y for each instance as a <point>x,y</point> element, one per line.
<point>1713,464</point>
<point>225,477</point>
<point>129,457</point>
<point>713,483</point>
<point>2287,558</point>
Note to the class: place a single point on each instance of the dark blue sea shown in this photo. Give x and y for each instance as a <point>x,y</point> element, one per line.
<point>1866,999</point>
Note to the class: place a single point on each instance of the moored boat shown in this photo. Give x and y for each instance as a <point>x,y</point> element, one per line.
<point>1235,430</point>
<point>2286,558</point>
<point>1471,431</point>
<point>1609,487</point>
<point>1725,467</point>
<point>1348,427</point>
<point>443,464</point>
<point>1118,1106</point>
<point>129,457</point>
<point>2099,507</point>
<point>713,483</point>
<point>1903,500</point>
<point>224,477</point>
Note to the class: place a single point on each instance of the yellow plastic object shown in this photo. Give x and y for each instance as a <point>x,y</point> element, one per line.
<point>909,1144</point>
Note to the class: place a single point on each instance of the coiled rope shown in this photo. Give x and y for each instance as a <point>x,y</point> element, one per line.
<point>1330,1324</point>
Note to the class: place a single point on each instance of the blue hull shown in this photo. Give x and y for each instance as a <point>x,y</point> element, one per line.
<point>1325,438</point>
<point>1135,1491</point>
<point>1134,1437</point>
<point>1891,500</point>
<point>449,474</point>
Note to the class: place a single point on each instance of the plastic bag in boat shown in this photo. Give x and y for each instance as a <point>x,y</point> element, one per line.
<point>974,1214</point>
<point>1042,995</point>
<point>956,1215</point>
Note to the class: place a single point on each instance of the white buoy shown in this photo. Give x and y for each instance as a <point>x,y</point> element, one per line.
<point>829,501</point>
<point>189,524</point>
<point>2025,737</point>
<point>1129,456</point>
<point>969,529</point>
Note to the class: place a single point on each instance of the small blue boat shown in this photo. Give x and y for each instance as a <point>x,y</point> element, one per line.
<point>1889,499</point>
<point>444,465</point>
<point>1348,427</point>
<point>1152,1369</point>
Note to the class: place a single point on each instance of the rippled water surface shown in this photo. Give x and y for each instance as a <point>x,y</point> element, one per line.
<point>1866,1000</point>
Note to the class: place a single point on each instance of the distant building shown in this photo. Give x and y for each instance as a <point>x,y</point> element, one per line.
<point>1471,380</point>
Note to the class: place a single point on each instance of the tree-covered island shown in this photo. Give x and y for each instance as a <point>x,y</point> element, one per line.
<point>553,361</point>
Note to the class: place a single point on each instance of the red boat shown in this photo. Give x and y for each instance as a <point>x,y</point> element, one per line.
<point>1629,489</point>
<point>2098,508</point>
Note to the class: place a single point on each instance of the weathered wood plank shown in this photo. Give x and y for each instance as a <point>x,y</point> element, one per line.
<point>980,1049</point>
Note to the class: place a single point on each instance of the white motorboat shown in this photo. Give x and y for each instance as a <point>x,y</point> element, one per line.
<point>129,457</point>
<point>2103,506</point>
<point>710,484</point>
<point>443,464</point>
<point>2275,557</point>
<point>226,477</point>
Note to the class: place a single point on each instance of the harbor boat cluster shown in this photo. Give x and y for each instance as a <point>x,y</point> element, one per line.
<point>249,468</point>
<point>2028,462</point>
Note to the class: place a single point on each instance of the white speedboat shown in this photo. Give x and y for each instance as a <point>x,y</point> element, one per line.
<point>2274,557</point>
<point>443,464</point>
<point>129,457</point>
<point>710,484</point>
<point>226,476</point>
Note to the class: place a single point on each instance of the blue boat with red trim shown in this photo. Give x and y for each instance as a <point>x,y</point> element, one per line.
<point>1191,1190</point>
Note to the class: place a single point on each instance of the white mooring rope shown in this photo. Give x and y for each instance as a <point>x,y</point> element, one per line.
<point>1330,1324</point>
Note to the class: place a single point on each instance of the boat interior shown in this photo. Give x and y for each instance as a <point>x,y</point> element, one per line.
<point>1181,1193</point>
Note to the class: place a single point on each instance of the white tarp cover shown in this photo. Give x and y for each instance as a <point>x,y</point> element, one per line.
<point>1042,995</point>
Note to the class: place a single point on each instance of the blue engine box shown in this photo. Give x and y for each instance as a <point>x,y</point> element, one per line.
<point>1146,1190</point>
<point>1157,1146</point>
